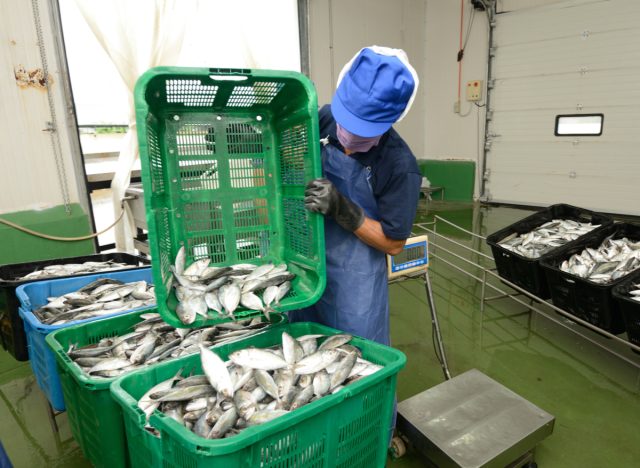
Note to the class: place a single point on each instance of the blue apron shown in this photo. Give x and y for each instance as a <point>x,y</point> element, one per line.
<point>356,299</point>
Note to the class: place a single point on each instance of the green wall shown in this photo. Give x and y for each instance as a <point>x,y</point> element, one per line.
<point>18,247</point>
<point>457,177</point>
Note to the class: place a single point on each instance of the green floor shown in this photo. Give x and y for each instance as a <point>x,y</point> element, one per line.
<point>593,395</point>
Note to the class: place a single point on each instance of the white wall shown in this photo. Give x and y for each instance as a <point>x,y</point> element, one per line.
<point>338,29</point>
<point>448,135</point>
<point>29,178</point>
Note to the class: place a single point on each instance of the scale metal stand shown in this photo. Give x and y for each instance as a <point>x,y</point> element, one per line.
<point>469,420</point>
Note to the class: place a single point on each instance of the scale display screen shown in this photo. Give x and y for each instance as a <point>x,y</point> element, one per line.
<point>414,255</point>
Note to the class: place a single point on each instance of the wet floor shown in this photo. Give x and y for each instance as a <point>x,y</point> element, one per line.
<point>594,395</point>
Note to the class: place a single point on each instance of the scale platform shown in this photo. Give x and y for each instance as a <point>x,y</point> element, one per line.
<point>473,421</point>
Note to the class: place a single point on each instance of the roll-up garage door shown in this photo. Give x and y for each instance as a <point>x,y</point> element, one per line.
<point>571,68</point>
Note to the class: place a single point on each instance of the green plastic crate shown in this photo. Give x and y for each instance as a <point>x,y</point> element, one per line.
<point>95,418</point>
<point>225,157</point>
<point>347,429</point>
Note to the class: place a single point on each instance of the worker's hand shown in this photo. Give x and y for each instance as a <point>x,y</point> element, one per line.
<point>321,196</point>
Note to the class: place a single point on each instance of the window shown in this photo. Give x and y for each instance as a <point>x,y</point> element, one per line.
<point>579,124</point>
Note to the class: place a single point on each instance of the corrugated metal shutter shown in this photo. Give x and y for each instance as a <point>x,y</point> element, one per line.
<point>577,57</point>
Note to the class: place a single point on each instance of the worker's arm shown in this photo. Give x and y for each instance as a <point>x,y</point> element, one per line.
<point>321,196</point>
<point>371,233</point>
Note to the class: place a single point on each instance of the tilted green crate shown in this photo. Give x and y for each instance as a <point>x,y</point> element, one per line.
<point>225,157</point>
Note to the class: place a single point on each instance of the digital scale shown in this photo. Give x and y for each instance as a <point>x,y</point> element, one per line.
<point>470,420</point>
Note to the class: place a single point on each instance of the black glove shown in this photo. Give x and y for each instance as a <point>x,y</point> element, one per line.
<point>321,196</point>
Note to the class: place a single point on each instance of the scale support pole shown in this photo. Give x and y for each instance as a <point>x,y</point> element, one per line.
<point>436,326</point>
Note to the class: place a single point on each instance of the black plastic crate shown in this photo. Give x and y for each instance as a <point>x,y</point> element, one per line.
<point>12,333</point>
<point>526,272</point>
<point>629,308</point>
<point>592,302</point>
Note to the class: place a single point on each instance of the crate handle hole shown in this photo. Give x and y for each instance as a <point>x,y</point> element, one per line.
<point>229,77</point>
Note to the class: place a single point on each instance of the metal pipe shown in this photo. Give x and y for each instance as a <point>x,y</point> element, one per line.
<point>501,296</point>
<point>436,326</point>
<point>491,12</point>
<point>554,320</point>
<point>537,299</point>
<point>460,245</point>
<point>458,227</point>
<point>303,34</point>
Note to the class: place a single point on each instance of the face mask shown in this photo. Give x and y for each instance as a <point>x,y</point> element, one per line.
<point>355,143</point>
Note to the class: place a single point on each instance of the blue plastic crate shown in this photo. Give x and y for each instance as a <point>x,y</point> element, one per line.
<point>34,295</point>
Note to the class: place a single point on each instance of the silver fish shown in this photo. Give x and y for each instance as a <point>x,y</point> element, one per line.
<point>613,259</point>
<point>145,349</point>
<point>316,362</point>
<point>302,398</point>
<point>251,301</point>
<point>56,270</point>
<point>224,423</point>
<point>343,370</point>
<point>266,394</point>
<point>186,393</point>
<point>211,298</point>
<point>546,237</point>
<point>110,364</point>
<point>180,261</point>
<point>267,383</point>
<point>255,358</point>
<point>186,314</point>
<point>334,341</point>
<point>321,383</point>
<point>261,417</point>
<point>217,372</point>
<point>197,268</point>
<point>292,350</point>
<point>262,270</point>
<point>230,298</point>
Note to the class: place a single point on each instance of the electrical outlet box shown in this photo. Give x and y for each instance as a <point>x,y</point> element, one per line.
<point>474,90</point>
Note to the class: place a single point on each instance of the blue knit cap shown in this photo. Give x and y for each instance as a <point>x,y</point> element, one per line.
<point>373,93</point>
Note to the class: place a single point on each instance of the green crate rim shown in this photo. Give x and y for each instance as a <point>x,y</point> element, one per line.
<point>142,109</point>
<point>64,361</point>
<point>251,435</point>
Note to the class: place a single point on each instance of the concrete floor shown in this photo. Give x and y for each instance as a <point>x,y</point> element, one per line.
<point>594,395</point>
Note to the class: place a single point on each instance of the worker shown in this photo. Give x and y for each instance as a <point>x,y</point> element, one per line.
<point>370,191</point>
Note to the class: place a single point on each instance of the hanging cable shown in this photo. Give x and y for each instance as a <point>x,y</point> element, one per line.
<point>52,127</point>
<point>464,39</point>
<point>460,53</point>
<point>66,239</point>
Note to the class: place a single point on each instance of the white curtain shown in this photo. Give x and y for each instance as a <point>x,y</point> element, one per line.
<point>137,35</point>
<point>140,34</point>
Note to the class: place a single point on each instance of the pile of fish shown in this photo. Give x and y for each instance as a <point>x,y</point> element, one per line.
<point>152,341</point>
<point>257,385</point>
<point>545,238</point>
<point>634,294</point>
<point>201,288</point>
<point>103,296</point>
<point>614,259</point>
<point>69,269</point>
